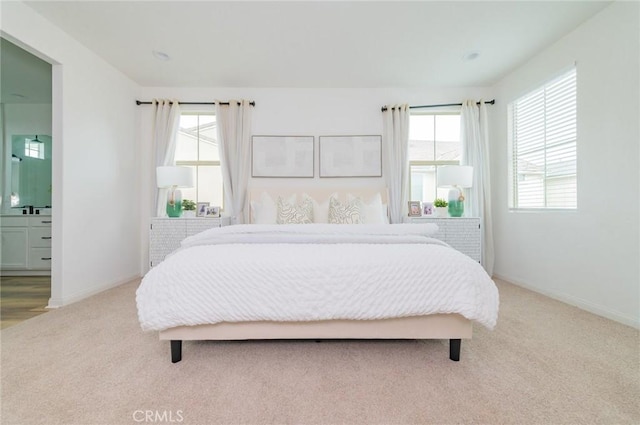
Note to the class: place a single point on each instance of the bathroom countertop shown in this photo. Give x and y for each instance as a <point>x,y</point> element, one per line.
<point>17,212</point>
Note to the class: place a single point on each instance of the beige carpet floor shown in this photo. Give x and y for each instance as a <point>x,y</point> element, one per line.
<point>545,363</point>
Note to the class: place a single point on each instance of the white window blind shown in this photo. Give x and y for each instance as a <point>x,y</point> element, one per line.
<point>543,146</point>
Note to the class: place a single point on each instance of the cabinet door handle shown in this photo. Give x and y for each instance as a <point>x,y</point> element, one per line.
<point>45,237</point>
<point>45,258</point>
<point>46,221</point>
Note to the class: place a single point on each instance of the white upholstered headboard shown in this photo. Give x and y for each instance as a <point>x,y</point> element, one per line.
<point>318,193</point>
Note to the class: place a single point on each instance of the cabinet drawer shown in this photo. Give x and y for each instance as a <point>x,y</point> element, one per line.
<point>462,234</point>
<point>40,258</point>
<point>40,237</point>
<point>44,221</point>
<point>14,248</point>
<point>200,225</point>
<point>14,221</point>
<point>165,237</point>
<point>166,234</point>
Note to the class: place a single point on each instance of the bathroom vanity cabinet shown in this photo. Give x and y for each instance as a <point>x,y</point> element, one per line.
<point>25,246</point>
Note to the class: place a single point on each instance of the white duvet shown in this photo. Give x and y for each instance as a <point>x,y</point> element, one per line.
<point>313,272</point>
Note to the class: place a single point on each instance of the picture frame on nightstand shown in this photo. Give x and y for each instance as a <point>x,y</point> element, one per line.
<point>415,210</point>
<point>201,210</point>
<point>213,212</point>
<point>427,208</point>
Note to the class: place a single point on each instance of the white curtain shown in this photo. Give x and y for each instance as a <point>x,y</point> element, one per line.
<point>165,128</point>
<point>395,129</point>
<point>475,152</point>
<point>234,141</point>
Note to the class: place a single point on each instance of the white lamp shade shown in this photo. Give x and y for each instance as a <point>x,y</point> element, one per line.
<point>169,176</point>
<point>455,175</point>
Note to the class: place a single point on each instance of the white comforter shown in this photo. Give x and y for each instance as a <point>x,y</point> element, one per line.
<point>313,272</point>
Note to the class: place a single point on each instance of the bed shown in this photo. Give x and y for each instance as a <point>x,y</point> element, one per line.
<point>364,280</point>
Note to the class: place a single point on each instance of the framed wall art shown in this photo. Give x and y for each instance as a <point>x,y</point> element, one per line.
<point>350,156</point>
<point>282,156</point>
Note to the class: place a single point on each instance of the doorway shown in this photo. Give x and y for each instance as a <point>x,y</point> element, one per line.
<point>26,188</point>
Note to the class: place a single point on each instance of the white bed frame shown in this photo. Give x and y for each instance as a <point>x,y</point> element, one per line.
<point>437,326</point>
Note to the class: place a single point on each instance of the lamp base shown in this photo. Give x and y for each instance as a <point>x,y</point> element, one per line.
<point>174,210</point>
<point>456,208</point>
<point>456,202</point>
<point>174,203</point>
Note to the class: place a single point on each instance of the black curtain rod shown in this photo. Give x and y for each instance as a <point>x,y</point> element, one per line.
<point>139,102</point>
<point>488,102</point>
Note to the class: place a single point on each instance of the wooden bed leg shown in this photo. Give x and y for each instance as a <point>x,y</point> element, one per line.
<point>176,350</point>
<point>454,349</point>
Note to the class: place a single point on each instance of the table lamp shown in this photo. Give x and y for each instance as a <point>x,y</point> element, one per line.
<point>456,177</point>
<point>171,177</point>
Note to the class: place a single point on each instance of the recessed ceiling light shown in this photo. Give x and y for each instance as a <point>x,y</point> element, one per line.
<point>470,56</point>
<point>160,55</point>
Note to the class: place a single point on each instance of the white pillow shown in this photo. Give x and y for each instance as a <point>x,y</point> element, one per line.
<point>375,212</point>
<point>265,211</point>
<point>292,213</point>
<point>320,209</point>
<point>350,212</point>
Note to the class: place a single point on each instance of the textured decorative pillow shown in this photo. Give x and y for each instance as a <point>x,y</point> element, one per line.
<point>292,213</point>
<point>375,211</point>
<point>350,212</point>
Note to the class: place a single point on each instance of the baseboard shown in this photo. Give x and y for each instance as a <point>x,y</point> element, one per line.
<point>577,302</point>
<point>60,302</point>
<point>25,272</point>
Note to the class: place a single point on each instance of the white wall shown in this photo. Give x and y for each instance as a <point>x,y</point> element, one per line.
<point>589,257</point>
<point>95,199</point>
<point>302,112</point>
<point>26,118</point>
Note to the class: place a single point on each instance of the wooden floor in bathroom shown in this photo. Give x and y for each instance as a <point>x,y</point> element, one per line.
<point>23,297</point>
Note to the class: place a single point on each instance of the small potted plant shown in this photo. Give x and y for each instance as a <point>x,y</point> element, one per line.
<point>441,207</point>
<point>189,208</point>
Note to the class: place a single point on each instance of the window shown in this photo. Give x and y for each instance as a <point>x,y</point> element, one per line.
<point>434,140</point>
<point>543,157</point>
<point>34,148</point>
<point>197,147</point>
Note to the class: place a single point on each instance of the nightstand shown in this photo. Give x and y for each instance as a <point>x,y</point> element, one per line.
<point>462,233</point>
<point>165,234</point>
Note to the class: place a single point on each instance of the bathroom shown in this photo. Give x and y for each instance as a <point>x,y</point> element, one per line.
<point>26,183</point>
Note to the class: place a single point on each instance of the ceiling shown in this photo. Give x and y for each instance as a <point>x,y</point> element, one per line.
<point>24,78</point>
<point>317,44</point>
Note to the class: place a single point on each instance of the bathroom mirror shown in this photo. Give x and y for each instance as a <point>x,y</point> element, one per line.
<point>30,175</point>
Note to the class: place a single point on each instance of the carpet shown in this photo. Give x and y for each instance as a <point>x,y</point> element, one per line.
<point>545,363</point>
